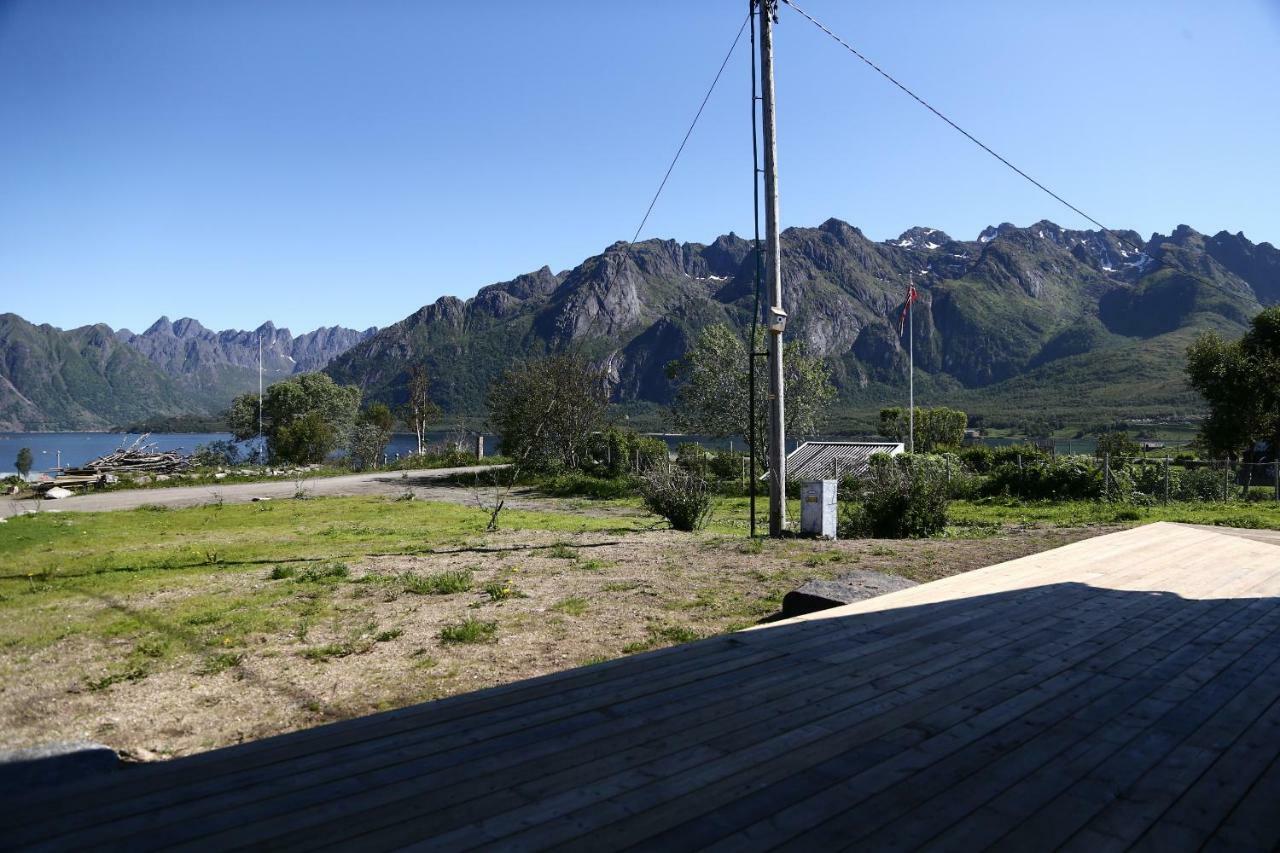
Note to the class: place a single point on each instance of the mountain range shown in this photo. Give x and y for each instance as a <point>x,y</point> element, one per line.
<point>1021,322</point>
<point>95,378</point>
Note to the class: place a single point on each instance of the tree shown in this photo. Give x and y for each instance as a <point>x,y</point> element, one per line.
<point>713,388</point>
<point>1116,444</point>
<point>935,428</point>
<point>418,410</point>
<point>304,418</point>
<point>1241,383</point>
<point>545,411</point>
<point>23,462</point>
<point>370,436</point>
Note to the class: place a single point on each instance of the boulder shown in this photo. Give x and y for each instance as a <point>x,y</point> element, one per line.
<point>821,595</point>
<point>58,493</point>
<point>54,764</point>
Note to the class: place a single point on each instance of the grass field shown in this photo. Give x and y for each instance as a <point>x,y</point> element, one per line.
<point>163,632</point>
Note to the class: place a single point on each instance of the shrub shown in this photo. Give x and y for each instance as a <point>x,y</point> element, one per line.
<point>574,484</point>
<point>216,454</point>
<point>899,497</point>
<point>1010,454</point>
<point>727,465</point>
<point>977,458</point>
<point>1202,484</point>
<point>679,496</point>
<point>1149,479</point>
<point>1062,478</point>
<point>616,452</point>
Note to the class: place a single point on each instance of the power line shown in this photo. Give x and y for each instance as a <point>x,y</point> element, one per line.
<point>692,125</point>
<point>626,251</point>
<point>1141,250</point>
<point>931,108</point>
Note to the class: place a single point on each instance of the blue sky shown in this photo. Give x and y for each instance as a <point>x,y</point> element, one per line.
<point>317,162</point>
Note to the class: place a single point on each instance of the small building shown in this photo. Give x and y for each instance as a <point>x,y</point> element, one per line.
<point>832,460</point>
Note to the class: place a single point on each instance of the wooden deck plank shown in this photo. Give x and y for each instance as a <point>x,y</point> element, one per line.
<point>240,788</point>
<point>1081,803</point>
<point>837,800</point>
<point>592,816</point>
<point>1113,692</point>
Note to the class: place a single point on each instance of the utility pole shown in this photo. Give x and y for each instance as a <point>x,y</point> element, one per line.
<point>773,280</point>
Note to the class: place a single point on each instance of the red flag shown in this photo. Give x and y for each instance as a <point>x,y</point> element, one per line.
<point>912,296</point>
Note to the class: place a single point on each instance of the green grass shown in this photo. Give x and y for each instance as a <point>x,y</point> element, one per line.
<point>501,591</point>
<point>441,583</point>
<point>67,574</point>
<point>662,635</point>
<point>469,630</point>
<point>991,514</point>
<point>572,606</point>
<point>561,551</point>
<point>83,545</point>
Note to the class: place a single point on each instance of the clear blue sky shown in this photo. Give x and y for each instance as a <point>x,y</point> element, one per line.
<point>315,162</point>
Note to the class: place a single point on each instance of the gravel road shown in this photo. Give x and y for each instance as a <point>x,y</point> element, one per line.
<point>369,483</point>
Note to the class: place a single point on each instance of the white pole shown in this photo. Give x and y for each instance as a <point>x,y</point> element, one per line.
<point>911,377</point>
<point>259,389</point>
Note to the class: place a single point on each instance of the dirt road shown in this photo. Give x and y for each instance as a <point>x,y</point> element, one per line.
<point>422,482</point>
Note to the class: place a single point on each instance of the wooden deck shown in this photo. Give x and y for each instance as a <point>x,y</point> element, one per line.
<point>1121,691</point>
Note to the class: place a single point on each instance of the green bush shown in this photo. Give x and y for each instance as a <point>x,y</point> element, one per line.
<point>1202,484</point>
<point>616,452</point>
<point>1010,454</point>
<point>727,465</point>
<point>900,497</point>
<point>1042,478</point>
<point>681,497</point>
<point>978,458</point>
<point>216,454</point>
<point>584,485</point>
<point>1149,479</point>
<point>962,482</point>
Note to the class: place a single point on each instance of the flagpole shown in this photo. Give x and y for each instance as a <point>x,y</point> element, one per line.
<point>911,377</point>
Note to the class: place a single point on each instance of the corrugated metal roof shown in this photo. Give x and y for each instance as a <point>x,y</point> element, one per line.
<point>831,460</point>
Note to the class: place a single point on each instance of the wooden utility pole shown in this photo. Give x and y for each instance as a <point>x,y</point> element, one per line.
<point>773,281</point>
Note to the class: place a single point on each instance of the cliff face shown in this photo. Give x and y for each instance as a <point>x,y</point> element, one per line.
<point>992,310</point>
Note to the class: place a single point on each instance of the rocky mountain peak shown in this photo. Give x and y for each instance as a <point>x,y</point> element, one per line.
<point>920,237</point>
<point>160,327</point>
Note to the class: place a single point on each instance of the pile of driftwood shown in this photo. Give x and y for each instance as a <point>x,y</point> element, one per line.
<point>137,458</point>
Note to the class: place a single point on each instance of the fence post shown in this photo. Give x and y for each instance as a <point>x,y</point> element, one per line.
<point>1166,479</point>
<point>1019,463</point>
<point>1106,471</point>
<point>1226,480</point>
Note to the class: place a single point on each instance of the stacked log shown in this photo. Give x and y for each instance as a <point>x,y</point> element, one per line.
<point>138,458</point>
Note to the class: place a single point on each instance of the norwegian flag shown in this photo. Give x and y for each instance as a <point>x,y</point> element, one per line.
<point>912,296</point>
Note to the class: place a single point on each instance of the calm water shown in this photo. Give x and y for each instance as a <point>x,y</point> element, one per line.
<point>76,448</point>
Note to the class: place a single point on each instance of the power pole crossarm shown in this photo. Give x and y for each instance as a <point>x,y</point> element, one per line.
<point>773,281</point>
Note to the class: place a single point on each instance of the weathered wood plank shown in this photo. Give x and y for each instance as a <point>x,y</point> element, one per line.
<point>1122,690</point>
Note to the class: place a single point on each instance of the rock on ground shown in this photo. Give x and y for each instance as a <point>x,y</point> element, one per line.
<point>846,589</point>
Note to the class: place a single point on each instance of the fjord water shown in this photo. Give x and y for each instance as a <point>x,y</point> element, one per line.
<point>77,448</point>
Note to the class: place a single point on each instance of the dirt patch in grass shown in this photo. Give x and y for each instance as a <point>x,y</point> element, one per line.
<point>240,655</point>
